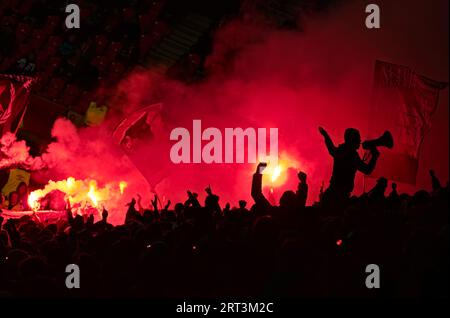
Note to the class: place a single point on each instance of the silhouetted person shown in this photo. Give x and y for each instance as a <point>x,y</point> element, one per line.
<point>132,214</point>
<point>103,225</point>
<point>394,193</point>
<point>227,209</point>
<point>260,200</point>
<point>394,198</point>
<point>192,200</point>
<point>242,210</point>
<point>346,163</point>
<point>321,192</point>
<point>302,190</point>
<point>377,192</point>
<point>288,198</point>
<point>435,183</point>
<point>212,201</point>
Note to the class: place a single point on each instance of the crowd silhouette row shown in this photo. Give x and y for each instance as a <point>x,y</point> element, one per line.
<point>211,250</point>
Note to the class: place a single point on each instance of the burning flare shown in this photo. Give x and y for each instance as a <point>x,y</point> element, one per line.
<point>122,186</point>
<point>276,175</point>
<point>33,198</point>
<point>81,194</point>
<point>92,195</point>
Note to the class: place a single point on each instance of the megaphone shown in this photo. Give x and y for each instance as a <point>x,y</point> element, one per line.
<point>385,140</point>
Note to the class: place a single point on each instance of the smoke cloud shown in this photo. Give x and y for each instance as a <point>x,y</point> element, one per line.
<point>262,77</point>
<point>296,81</point>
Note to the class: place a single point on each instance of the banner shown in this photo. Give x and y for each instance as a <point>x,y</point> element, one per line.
<point>16,177</point>
<point>403,103</point>
<point>142,133</point>
<point>14,99</point>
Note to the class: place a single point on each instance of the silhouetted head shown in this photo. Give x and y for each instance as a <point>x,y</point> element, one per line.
<point>179,207</point>
<point>352,138</point>
<point>302,176</point>
<point>22,189</point>
<point>242,204</point>
<point>288,199</point>
<point>13,199</point>
<point>211,200</point>
<point>382,182</point>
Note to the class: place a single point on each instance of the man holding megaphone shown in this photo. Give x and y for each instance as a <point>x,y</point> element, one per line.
<point>347,162</point>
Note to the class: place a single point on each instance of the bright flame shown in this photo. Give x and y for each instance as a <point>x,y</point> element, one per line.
<point>82,194</point>
<point>276,173</point>
<point>92,195</point>
<point>70,183</point>
<point>122,186</point>
<point>33,201</point>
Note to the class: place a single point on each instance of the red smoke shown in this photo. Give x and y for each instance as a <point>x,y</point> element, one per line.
<point>262,77</point>
<point>295,81</point>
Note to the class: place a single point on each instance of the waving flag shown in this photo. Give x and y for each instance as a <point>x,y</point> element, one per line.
<point>141,136</point>
<point>14,98</point>
<point>404,103</point>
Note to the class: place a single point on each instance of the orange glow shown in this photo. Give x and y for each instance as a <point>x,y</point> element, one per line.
<point>70,183</point>
<point>92,195</point>
<point>80,193</point>
<point>275,175</point>
<point>33,201</point>
<point>122,186</point>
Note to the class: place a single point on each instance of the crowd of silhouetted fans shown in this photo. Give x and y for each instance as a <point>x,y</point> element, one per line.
<point>194,249</point>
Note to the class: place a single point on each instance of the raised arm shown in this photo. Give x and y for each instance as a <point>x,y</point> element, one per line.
<point>132,214</point>
<point>69,212</point>
<point>139,202</point>
<point>367,168</point>
<point>328,142</point>
<point>436,184</point>
<point>192,200</point>
<point>302,189</point>
<point>257,194</point>
<point>155,204</point>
